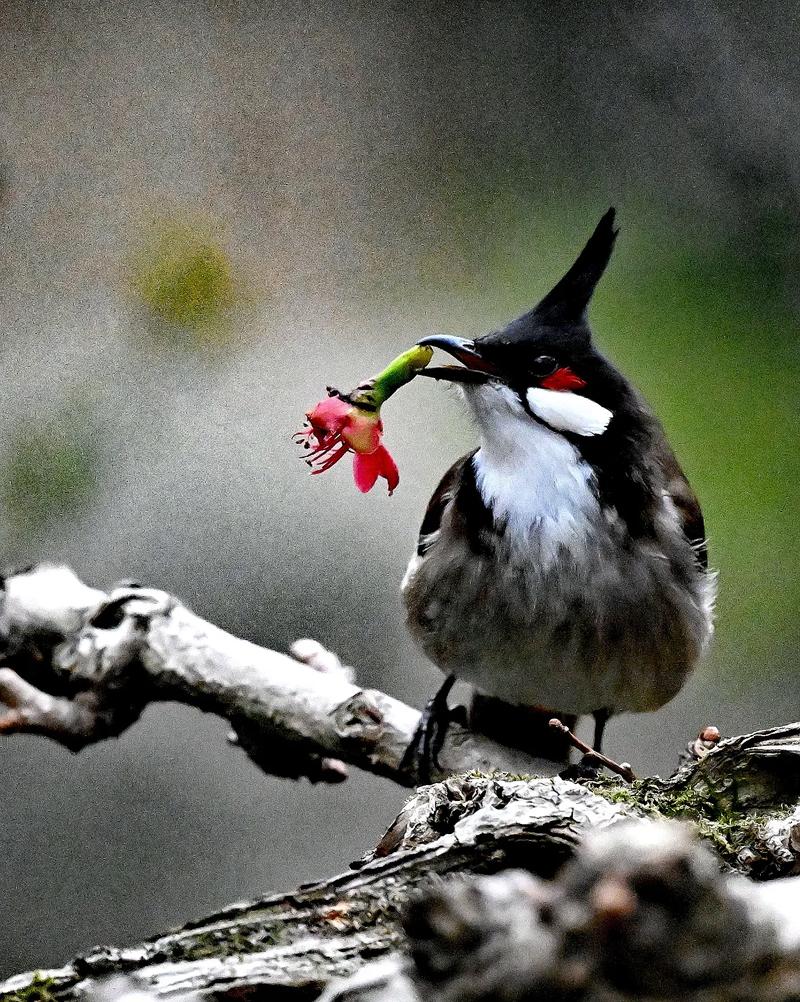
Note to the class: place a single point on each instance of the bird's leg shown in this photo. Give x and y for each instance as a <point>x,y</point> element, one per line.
<point>423,750</point>
<point>601,718</point>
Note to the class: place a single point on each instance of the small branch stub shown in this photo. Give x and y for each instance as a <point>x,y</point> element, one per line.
<point>621,769</point>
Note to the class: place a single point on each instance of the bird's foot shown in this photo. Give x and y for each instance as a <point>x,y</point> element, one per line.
<point>422,755</point>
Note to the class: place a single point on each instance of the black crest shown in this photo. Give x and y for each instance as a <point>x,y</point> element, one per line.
<point>567,301</point>
<point>559,320</point>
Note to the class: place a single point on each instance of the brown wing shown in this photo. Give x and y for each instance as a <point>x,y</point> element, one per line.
<point>685,500</point>
<point>441,498</point>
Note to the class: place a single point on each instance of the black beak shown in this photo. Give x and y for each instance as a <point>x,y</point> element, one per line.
<point>475,368</point>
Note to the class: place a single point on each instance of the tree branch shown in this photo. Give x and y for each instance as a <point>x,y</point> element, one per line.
<point>294,944</point>
<point>641,912</point>
<point>81,665</point>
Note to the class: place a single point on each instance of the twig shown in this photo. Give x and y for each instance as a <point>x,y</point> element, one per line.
<point>621,769</point>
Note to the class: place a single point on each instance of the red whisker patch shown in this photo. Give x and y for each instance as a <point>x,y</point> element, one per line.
<point>563,379</point>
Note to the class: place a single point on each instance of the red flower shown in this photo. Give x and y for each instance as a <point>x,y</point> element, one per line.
<point>338,426</point>
<point>352,423</point>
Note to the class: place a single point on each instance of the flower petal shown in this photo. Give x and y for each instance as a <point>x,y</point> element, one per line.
<point>366,469</point>
<point>362,431</point>
<point>329,415</point>
<point>389,469</point>
<point>338,426</point>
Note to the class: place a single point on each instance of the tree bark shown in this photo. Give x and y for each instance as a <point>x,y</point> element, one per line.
<point>81,665</point>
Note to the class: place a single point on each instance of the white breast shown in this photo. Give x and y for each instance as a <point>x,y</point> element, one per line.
<point>533,479</point>
<point>562,609</point>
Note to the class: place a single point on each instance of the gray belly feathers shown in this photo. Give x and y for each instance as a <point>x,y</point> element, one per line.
<point>568,615</point>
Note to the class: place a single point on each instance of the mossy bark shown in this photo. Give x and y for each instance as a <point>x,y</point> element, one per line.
<point>741,798</point>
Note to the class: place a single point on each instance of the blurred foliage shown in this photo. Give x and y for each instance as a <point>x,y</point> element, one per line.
<point>50,470</point>
<point>186,280</point>
<point>725,386</point>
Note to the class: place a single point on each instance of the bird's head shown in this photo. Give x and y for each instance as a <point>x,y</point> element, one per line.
<point>543,366</point>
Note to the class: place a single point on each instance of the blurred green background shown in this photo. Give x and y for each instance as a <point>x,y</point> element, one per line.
<point>212,209</point>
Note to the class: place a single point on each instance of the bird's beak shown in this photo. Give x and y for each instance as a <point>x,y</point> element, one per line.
<point>475,368</point>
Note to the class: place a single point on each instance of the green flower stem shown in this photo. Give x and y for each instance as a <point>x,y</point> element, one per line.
<point>401,370</point>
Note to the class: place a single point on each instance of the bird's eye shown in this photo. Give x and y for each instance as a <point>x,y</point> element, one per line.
<point>544,365</point>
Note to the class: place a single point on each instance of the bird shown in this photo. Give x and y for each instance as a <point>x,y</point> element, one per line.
<point>561,566</point>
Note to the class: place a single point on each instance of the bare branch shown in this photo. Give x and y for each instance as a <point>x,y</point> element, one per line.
<point>30,710</point>
<point>106,656</point>
<point>332,928</point>
<point>80,665</point>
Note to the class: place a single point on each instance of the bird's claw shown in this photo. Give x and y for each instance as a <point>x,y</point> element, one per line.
<point>422,755</point>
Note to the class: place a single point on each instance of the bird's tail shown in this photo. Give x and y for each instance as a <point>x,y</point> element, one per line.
<point>523,727</point>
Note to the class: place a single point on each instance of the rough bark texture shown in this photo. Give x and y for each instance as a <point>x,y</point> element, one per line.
<point>641,912</point>
<point>294,944</point>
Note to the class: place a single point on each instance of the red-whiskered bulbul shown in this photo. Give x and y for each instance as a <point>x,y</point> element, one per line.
<point>562,564</point>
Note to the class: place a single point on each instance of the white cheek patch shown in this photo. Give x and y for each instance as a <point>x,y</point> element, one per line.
<point>566,411</point>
